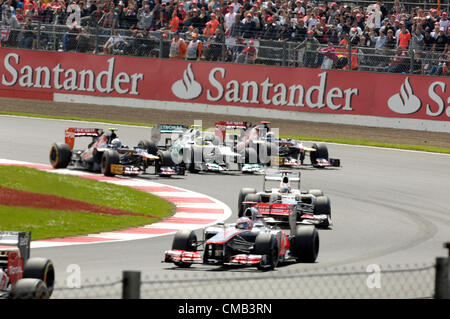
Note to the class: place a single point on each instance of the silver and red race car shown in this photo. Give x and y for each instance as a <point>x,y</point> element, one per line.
<point>278,201</point>
<point>22,277</point>
<point>107,154</point>
<point>248,242</point>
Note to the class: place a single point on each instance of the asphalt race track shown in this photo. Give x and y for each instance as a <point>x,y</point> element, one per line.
<point>389,207</point>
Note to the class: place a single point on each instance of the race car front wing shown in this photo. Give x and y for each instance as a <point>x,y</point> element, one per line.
<point>194,257</point>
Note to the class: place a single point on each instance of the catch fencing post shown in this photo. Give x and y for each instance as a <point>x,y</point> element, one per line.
<point>131,285</point>
<point>442,283</point>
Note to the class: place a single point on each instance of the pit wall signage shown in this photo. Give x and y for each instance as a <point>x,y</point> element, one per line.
<point>33,74</point>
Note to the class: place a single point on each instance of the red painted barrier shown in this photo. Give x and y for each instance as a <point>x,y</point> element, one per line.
<point>35,74</point>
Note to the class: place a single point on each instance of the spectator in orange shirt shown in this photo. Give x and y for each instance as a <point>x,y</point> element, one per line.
<point>174,22</point>
<point>214,22</point>
<point>404,37</point>
<point>177,47</point>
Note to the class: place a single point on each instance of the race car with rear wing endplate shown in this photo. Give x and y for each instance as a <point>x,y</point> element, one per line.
<point>249,242</point>
<point>107,154</point>
<point>22,277</point>
<point>260,142</point>
<point>191,148</point>
<point>279,200</point>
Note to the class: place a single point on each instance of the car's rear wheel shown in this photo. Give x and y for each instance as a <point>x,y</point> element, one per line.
<point>184,240</point>
<point>109,158</point>
<point>267,244</point>
<point>60,155</point>
<point>40,268</point>
<point>241,198</point>
<point>30,288</point>
<point>305,245</point>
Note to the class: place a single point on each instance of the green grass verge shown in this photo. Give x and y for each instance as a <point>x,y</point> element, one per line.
<point>94,192</point>
<point>431,149</point>
<point>47,223</point>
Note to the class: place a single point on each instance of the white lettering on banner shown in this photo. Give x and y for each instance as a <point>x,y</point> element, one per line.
<point>436,98</point>
<point>406,102</point>
<point>70,79</point>
<point>254,93</point>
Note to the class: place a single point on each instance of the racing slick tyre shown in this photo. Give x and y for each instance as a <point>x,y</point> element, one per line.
<point>242,194</point>
<point>315,192</point>
<point>322,206</point>
<point>250,156</point>
<point>267,244</point>
<point>41,268</point>
<point>30,288</point>
<point>165,159</point>
<point>60,155</point>
<point>321,152</point>
<point>250,198</point>
<point>149,146</point>
<point>194,153</point>
<point>184,240</point>
<point>109,157</point>
<point>305,245</point>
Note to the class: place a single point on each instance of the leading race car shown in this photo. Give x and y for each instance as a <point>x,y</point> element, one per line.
<point>22,277</point>
<point>248,242</point>
<point>193,149</point>
<point>108,155</point>
<point>279,200</point>
<point>260,142</point>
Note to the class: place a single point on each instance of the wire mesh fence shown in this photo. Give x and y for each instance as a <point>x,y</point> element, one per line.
<point>390,282</point>
<point>357,53</point>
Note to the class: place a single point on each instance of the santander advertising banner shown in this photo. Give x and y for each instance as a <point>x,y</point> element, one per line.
<point>40,75</point>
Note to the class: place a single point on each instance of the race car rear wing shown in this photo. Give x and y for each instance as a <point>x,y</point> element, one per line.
<point>166,129</point>
<point>73,132</point>
<point>19,239</point>
<point>278,176</point>
<point>221,128</point>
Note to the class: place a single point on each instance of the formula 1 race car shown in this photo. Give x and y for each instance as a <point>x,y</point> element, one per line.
<point>277,202</point>
<point>191,148</point>
<point>22,277</point>
<point>248,242</point>
<point>260,142</point>
<point>108,155</point>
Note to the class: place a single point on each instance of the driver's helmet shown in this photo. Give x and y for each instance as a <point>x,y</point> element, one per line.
<point>244,223</point>
<point>200,141</point>
<point>270,137</point>
<point>116,143</point>
<point>285,187</point>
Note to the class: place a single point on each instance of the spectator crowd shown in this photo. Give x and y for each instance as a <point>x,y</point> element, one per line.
<point>386,37</point>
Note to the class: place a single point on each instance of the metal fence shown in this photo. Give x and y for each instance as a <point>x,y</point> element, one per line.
<point>352,57</point>
<point>397,282</point>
